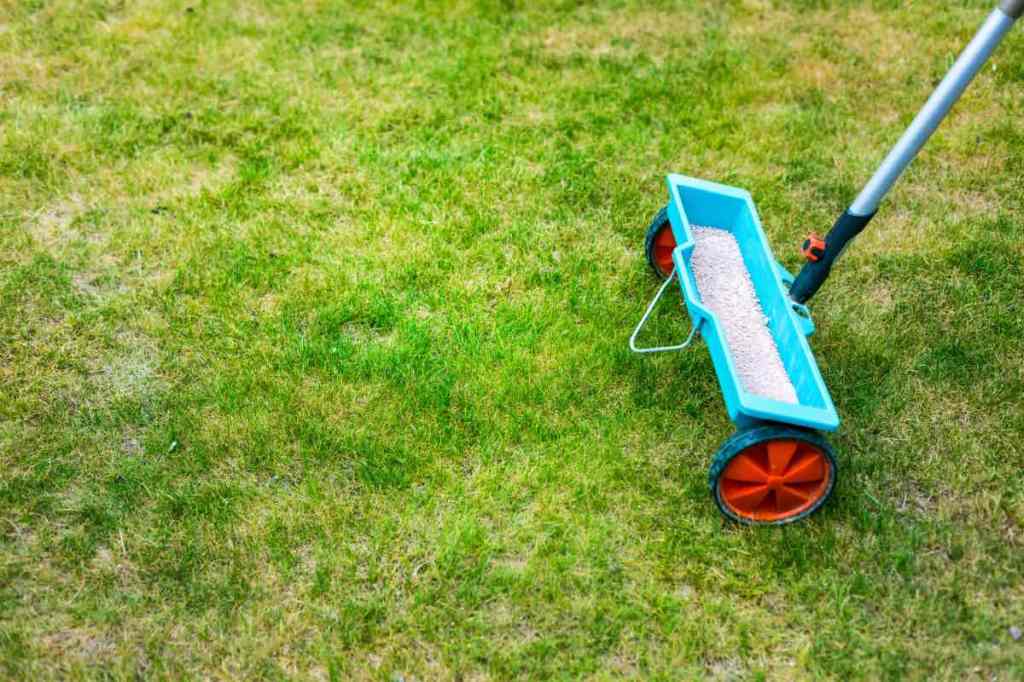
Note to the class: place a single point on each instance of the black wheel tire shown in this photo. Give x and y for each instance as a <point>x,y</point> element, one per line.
<point>810,445</point>
<point>654,251</point>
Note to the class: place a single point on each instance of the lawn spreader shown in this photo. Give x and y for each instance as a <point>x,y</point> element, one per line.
<point>777,468</point>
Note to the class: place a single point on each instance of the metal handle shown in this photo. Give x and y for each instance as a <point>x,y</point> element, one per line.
<point>967,65</point>
<point>643,321</point>
<point>860,212</point>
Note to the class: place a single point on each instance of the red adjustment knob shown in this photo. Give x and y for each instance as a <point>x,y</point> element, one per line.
<point>813,248</point>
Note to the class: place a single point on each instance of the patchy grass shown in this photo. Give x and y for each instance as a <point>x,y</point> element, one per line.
<point>313,343</point>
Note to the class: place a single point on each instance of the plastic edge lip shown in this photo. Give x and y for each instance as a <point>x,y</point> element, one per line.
<point>786,278</point>
<point>821,417</point>
<point>684,247</point>
<point>691,297</point>
<point>766,409</point>
<point>675,179</point>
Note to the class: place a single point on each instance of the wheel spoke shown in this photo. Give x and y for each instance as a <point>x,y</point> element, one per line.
<point>745,468</point>
<point>787,498</point>
<point>779,454</point>
<point>745,497</point>
<point>806,470</point>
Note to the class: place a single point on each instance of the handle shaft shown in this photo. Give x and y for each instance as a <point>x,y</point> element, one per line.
<point>862,210</point>
<point>935,109</point>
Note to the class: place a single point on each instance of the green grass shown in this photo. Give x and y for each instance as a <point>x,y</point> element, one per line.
<point>313,360</point>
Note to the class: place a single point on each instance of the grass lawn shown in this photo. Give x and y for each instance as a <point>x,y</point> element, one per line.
<point>313,323</point>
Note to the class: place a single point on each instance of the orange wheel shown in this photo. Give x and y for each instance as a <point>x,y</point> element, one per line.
<point>659,243</point>
<point>772,475</point>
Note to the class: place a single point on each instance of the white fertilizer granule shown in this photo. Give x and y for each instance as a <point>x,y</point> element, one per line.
<point>726,288</point>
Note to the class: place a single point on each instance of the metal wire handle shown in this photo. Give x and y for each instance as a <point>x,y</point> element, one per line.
<point>643,321</point>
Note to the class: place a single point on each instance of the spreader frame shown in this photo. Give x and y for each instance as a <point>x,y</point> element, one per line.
<point>700,202</point>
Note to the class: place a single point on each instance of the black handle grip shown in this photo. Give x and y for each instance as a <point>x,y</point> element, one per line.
<point>1012,8</point>
<point>814,273</point>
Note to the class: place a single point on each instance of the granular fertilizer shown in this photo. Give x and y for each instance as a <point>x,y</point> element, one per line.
<point>726,288</point>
